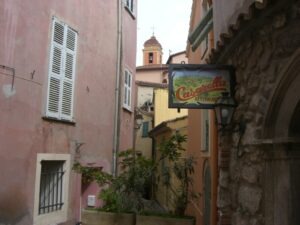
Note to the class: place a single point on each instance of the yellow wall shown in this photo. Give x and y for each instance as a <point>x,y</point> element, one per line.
<point>165,196</point>
<point>161,111</point>
<point>144,144</point>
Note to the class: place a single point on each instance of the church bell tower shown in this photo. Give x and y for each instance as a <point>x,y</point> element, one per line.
<point>152,52</point>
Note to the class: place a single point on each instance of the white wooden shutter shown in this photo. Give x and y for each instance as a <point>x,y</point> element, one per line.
<point>205,130</point>
<point>55,70</point>
<point>130,5</point>
<point>61,72</point>
<point>69,75</point>
<point>127,89</point>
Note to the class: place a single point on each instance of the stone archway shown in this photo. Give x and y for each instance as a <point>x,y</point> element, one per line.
<point>282,163</point>
<point>258,182</point>
<point>284,102</point>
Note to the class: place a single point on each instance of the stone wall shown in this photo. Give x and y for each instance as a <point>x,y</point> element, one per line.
<point>247,160</point>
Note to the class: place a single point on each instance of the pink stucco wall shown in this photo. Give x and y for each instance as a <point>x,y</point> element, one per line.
<point>25,43</point>
<point>129,59</point>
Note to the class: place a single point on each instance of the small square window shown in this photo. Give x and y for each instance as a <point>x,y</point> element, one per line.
<point>51,188</point>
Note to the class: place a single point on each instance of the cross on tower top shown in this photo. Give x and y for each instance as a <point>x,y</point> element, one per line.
<point>153,28</point>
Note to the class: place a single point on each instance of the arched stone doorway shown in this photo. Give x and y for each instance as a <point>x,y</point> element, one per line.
<point>258,178</point>
<point>282,164</point>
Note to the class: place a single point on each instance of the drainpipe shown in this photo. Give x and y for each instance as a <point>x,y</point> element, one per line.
<point>116,134</point>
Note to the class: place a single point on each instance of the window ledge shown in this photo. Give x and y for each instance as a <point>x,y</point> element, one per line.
<point>130,12</point>
<point>127,109</point>
<point>51,119</point>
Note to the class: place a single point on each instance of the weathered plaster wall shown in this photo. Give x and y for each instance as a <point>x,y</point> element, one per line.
<point>145,94</point>
<point>178,58</point>
<point>154,76</point>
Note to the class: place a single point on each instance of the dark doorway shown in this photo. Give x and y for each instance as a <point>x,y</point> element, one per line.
<point>207,196</point>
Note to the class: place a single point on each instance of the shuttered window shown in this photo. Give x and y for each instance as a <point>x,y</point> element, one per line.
<point>204,43</point>
<point>61,72</point>
<point>145,129</point>
<point>205,131</point>
<point>127,90</point>
<point>129,5</point>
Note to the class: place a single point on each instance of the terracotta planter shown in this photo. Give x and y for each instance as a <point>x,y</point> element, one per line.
<point>158,220</point>
<point>90,217</point>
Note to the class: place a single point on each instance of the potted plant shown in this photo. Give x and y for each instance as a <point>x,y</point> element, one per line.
<point>123,195</point>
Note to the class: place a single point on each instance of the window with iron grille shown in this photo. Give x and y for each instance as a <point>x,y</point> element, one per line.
<point>51,186</point>
<point>61,72</point>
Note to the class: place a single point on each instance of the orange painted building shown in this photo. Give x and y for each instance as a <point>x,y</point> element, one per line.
<point>202,130</point>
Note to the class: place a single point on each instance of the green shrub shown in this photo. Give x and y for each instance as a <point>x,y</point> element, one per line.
<point>182,167</point>
<point>125,192</point>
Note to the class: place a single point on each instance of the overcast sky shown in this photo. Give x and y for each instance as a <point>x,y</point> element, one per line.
<point>170,19</point>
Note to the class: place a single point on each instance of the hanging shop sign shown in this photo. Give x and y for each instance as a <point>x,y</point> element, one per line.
<point>199,86</point>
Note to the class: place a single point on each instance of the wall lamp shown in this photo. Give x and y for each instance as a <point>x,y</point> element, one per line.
<point>138,120</point>
<point>224,109</point>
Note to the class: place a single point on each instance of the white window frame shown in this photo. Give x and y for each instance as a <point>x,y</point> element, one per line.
<point>61,215</point>
<point>205,130</point>
<point>127,101</point>
<point>62,70</point>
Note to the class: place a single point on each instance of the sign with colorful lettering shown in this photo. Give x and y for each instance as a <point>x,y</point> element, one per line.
<point>199,86</point>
